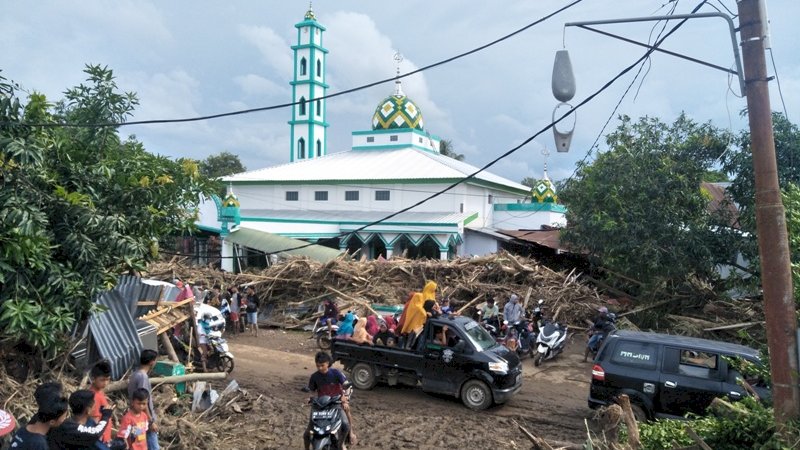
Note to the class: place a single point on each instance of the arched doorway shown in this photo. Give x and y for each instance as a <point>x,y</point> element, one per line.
<point>428,248</point>
<point>376,247</point>
<point>354,245</point>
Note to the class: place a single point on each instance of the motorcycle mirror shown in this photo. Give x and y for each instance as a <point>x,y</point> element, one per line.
<point>541,302</point>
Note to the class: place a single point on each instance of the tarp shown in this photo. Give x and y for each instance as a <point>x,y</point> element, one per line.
<point>273,243</point>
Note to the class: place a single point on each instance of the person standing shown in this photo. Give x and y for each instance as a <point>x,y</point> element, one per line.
<point>141,380</point>
<point>34,435</point>
<point>133,426</point>
<point>253,303</point>
<point>79,432</point>
<point>100,376</point>
<point>235,308</point>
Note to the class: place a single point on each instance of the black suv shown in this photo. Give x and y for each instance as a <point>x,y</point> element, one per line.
<point>667,376</point>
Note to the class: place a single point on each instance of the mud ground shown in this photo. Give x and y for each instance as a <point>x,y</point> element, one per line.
<point>552,403</point>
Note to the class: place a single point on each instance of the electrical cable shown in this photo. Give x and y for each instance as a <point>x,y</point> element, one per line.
<point>515,148</point>
<point>285,105</point>
<point>778,80</point>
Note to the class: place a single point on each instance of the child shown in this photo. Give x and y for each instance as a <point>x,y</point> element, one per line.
<point>100,376</point>
<point>203,330</point>
<point>33,436</point>
<point>141,380</point>
<point>133,425</point>
<point>329,381</point>
<point>79,432</point>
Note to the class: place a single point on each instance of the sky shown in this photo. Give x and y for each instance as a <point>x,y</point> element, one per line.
<point>190,58</point>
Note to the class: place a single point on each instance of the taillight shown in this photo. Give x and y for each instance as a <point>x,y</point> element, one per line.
<point>598,373</point>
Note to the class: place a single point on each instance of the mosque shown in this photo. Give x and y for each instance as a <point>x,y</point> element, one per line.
<point>342,201</point>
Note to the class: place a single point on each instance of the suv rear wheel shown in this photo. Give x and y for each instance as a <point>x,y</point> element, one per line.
<point>638,412</point>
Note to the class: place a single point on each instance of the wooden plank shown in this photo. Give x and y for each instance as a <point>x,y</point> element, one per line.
<point>734,326</point>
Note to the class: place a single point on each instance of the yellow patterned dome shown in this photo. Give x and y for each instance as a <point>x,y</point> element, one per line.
<point>397,111</point>
<point>544,191</point>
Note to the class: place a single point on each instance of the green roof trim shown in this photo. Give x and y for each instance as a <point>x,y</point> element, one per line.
<point>530,207</point>
<point>347,222</point>
<point>273,243</point>
<point>470,219</point>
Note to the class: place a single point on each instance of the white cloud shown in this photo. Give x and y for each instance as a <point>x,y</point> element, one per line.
<point>273,48</point>
<point>253,84</point>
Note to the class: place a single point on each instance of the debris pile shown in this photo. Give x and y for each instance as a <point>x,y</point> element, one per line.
<point>294,288</point>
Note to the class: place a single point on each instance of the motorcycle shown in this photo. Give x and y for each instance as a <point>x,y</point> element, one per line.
<point>526,338</point>
<point>218,357</point>
<point>550,342</point>
<point>608,328</point>
<point>326,420</point>
<point>492,325</point>
<point>538,315</point>
<point>321,334</point>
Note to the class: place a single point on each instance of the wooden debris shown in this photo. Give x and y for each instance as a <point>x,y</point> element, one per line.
<point>123,384</point>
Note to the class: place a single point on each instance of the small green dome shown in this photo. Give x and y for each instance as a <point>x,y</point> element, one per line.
<point>544,192</point>
<point>397,111</point>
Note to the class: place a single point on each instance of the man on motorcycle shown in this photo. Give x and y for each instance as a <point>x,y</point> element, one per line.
<point>329,381</point>
<point>331,314</point>
<point>601,327</point>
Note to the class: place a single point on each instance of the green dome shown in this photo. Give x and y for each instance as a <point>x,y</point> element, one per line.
<point>544,192</point>
<point>397,111</point>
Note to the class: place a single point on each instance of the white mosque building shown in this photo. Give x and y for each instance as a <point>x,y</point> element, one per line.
<point>338,200</point>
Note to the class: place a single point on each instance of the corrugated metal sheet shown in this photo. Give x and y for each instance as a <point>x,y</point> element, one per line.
<point>270,243</point>
<point>401,164</point>
<point>113,332</point>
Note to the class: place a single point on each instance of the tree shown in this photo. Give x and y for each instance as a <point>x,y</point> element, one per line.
<point>220,165</point>
<point>446,149</point>
<point>639,211</point>
<point>79,205</point>
<point>529,181</point>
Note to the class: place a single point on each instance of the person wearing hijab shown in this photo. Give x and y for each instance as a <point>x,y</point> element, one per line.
<point>372,325</point>
<point>346,327</point>
<point>360,335</point>
<point>402,320</point>
<point>391,324</point>
<point>415,318</point>
<point>432,308</point>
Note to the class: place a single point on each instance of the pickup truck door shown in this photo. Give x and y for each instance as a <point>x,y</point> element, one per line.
<point>689,381</point>
<point>444,367</point>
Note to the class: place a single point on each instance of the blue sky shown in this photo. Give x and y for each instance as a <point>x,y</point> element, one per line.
<point>201,57</point>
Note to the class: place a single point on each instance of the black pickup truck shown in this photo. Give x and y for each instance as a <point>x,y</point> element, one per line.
<point>469,365</point>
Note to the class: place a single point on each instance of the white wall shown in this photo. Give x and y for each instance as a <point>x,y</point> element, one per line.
<point>478,244</point>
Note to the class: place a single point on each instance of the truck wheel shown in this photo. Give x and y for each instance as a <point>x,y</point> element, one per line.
<point>363,376</point>
<point>476,395</point>
<point>323,342</point>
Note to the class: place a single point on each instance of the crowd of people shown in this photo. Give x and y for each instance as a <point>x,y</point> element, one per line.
<point>85,419</point>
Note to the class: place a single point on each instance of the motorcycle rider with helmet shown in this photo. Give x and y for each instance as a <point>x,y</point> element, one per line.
<point>603,325</point>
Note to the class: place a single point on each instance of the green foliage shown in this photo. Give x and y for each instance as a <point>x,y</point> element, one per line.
<point>446,148</point>
<point>715,176</point>
<point>752,428</point>
<point>639,211</point>
<point>529,181</point>
<point>220,165</point>
<point>791,202</point>
<point>78,205</point>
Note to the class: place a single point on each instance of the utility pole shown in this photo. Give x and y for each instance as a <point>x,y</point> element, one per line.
<point>773,244</point>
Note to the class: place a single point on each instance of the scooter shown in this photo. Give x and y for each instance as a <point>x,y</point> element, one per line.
<point>526,339</point>
<point>326,421</point>
<point>551,341</point>
<point>321,335</point>
<point>492,325</point>
<point>219,356</point>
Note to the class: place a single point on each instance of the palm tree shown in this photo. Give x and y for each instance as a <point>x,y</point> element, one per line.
<point>446,149</point>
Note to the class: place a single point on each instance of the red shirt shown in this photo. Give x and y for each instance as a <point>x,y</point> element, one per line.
<point>100,401</point>
<point>133,428</point>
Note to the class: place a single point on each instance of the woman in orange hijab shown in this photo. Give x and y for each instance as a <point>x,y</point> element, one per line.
<point>415,315</point>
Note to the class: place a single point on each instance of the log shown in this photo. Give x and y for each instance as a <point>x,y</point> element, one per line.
<point>123,384</point>
<point>470,303</point>
<point>168,347</point>
<point>645,308</point>
<point>733,326</point>
<point>630,422</point>
<point>538,443</point>
<point>355,300</point>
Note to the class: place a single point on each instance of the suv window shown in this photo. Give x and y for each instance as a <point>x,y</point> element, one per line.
<point>694,363</point>
<point>636,354</point>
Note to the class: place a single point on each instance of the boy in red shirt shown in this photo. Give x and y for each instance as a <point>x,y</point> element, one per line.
<point>100,376</point>
<point>133,425</point>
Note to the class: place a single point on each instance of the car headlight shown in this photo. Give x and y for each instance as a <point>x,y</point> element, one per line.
<point>499,367</point>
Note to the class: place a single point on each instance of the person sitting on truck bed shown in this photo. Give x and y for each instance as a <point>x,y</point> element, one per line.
<point>384,336</point>
<point>329,381</point>
<point>360,335</point>
<point>346,328</point>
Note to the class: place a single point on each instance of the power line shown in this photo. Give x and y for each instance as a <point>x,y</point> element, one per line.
<point>515,148</point>
<point>284,105</point>
<point>624,94</point>
<point>778,80</point>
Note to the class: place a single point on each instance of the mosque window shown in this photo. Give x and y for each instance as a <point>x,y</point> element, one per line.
<point>321,196</point>
<point>303,66</point>
<point>302,106</point>
<point>319,68</point>
<point>393,138</point>
<point>319,107</point>
<point>370,138</point>
<point>382,196</point>
<point>420,140</point>
<point>319,148</point>
<point>301,148</point>
<point>292,196</point>
<point>351,196</point>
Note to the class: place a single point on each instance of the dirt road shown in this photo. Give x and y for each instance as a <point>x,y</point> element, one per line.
<point>552,402</point>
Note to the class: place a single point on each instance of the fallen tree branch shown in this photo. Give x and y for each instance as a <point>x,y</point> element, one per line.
<point>123,384</point>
